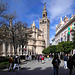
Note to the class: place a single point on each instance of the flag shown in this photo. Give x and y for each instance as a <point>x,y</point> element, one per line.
<point>68,28</point>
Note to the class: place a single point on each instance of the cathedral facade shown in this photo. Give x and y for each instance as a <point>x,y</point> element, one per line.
<point>40,37</point>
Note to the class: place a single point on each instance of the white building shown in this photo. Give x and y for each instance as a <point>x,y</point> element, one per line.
<point>63,29</point>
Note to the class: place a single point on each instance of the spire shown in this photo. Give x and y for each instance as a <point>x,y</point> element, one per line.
<point>65,18</point>
<point>65,15</point>
<point>33,24</point>
<point>61,19</point>
<point>72,15</point>
<point>44,9</point>
<point>44,13</point>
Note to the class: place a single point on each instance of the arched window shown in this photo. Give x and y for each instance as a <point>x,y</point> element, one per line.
<point>43,15</point>
<point>64,38</point>
<point>61,39</point>
<point>42,21</point>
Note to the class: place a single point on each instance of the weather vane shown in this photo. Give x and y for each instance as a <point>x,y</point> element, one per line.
<point>45,3</point>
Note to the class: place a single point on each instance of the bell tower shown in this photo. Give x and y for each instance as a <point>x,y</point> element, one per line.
<point>44,26</point>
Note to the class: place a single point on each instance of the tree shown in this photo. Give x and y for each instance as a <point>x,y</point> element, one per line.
<point>21,33</point>
<point>53,49</point>
<point>58,50</point>
<point>66,46</point>
<point>6,30</point>
<point>46,50</point>
<point>16,33</point>
<point>3,9</point>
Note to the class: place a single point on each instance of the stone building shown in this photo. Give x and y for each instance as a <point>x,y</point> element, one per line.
<point>38,39</point>
<point>64,28</point>
<point>36,42</point>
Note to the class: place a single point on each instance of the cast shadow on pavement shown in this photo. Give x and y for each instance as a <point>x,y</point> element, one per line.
<point>38,71</point>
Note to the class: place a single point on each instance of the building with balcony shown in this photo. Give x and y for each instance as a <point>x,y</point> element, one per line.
<point>64,28</point>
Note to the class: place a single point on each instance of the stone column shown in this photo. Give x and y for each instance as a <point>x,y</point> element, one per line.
<point>27,50</point>
<point>73,51</point>
<point>8,51</point>
<point>12,49</point>
<point>36,33</point>
<point>4,52</point>
<point>18,50</point>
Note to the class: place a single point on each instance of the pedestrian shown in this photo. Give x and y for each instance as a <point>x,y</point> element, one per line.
<point>30,57</point>
<point>38,58</point>
<point>65,61</point>
<point>43,59</point>
<point>27,57</point>
<point>47,57</point>
<point>10,63</point>
<point>70,64</point>
<point>56,63</point>
<point>16,62</point>
<point>74,59</point>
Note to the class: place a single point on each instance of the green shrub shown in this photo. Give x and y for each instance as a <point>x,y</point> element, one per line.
<point>4,65</point>
<point>4,59</point>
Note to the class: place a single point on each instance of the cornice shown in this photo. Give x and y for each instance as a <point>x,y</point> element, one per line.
<point>70,21</point>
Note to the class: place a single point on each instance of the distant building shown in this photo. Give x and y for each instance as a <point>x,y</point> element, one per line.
<point>64,28</point>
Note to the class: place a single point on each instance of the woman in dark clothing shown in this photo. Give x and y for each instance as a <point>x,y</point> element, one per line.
<point>56,63</point>
<point>70,64</point>
<point>74,59</point>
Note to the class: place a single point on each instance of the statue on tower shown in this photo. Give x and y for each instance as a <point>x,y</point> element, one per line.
<point>45,3</point>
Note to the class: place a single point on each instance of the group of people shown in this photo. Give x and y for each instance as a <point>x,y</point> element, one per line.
<point>68,63</point>
<point>14,62</point>
<point>40,57</point>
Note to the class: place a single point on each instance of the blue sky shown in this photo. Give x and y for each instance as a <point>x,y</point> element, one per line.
<point>31,10</point>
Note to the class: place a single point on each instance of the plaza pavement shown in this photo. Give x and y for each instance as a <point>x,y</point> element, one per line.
<point>37,68</point>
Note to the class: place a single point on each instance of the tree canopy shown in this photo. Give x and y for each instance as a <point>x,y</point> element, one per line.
<point>65,47</point>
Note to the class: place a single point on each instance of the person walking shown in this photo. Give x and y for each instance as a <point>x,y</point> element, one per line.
<point>70,64</point>
<point>38,58</point>
<point>10,63</point>
<point>74,59</point>
<point>56,63</point>
<point>43,59</point>
<point>65,61</point>
<point>16,62</point>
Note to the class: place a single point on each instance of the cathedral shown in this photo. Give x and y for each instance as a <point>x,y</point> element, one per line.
<point>40,37</point>
<point>37,40</point>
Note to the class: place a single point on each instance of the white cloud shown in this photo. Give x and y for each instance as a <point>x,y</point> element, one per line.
<point>58,8</point>
<point>53,27</point>
<point>36,20</point>
<point>32,16</point>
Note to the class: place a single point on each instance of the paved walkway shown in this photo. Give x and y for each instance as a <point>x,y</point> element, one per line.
<point>38,68</point>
